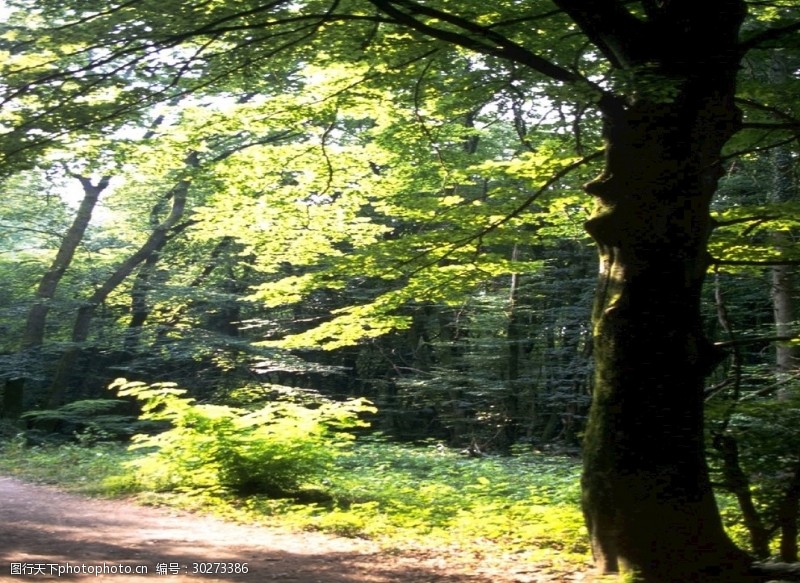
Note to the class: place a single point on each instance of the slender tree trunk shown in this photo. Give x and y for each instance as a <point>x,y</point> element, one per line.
<point>737,482</point>
<point>140,310</point>
<point>647,495</point>
<point>786,355</point>
<point>34,328</point>
<point>85,314</point>
<point>783,190</point>
<point>515,334</point>
<point>215,261</point>
<point>13,398</point>
<point>788,514</point>
<point>33,334</point>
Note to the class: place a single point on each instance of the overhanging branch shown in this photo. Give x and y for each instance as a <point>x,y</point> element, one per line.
<point>611,28</point>
<point>771,34</point>
<point>525,205</point>
<point>473,36</point>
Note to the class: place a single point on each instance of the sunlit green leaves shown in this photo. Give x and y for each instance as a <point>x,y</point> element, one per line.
<point>747,233</point>
<point>275,449</point>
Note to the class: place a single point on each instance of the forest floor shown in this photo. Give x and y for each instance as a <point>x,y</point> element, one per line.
<point>48,534</point>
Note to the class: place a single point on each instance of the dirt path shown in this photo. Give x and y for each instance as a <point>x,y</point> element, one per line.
<point>46,534</point>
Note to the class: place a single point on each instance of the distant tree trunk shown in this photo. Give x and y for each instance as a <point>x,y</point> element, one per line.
<point>139,306</point>
<point>783,190</point>
<point>447,357</point>
<point>647,495</point>
<point>215,260</point>
<point>737,482</point>
<point>516,336</point>
<point>33,334</point>
<point>13,398</point>
<point>788,514</point>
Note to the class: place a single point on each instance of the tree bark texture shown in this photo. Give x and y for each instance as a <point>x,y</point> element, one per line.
<point>647,495</point>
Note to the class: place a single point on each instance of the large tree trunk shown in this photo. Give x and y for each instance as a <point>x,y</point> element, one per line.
<point>647,496</point>
<point>668,112</point>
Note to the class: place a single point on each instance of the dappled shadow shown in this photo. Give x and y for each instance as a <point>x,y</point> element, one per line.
<point>46,530</point>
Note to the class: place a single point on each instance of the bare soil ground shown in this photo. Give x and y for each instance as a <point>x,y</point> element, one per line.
<point>47,534</point>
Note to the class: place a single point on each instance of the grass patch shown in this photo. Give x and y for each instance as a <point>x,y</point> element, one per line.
<point>401,496</point>
<point>96,470</point>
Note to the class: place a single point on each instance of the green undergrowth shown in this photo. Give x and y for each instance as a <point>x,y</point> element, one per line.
<point>520,504</point>
<point>401,496</point>
<point>297,462</point>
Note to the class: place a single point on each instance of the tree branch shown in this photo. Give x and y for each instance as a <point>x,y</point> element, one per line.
<point>283,135</point>
<point>17,229</point>
<point>790,119</point>
<point>525,205</point>
<point>770,126</point>
<point>616,32</point>
<point>739,221</point>
<point>770,34</point>
<point>476,37</point>
<point>760,340</point>
<point>755,149</point>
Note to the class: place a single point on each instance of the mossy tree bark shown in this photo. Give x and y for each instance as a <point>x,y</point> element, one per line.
<point>647,493</point>
<point>648,499</point>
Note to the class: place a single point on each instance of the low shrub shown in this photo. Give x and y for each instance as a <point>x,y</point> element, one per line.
<point>275,450</point>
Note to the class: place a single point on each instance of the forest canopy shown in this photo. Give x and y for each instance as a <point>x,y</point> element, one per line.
<point>408,202</point>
